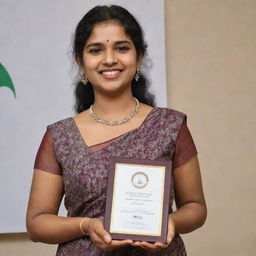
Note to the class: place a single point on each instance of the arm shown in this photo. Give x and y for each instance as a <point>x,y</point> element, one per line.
<point>42,221</point>
<point>191,207</point>
<point>43,224</point>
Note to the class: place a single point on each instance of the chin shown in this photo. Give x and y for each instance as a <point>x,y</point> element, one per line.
<point>113,90</point>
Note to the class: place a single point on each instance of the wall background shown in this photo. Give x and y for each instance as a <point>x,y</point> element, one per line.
<point>36,49</point>
<point>211,62</point>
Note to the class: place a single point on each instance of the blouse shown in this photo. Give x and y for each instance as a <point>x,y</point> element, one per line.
<point>163,135</point>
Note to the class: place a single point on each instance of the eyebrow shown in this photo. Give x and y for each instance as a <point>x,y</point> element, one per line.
<point>116,42</point>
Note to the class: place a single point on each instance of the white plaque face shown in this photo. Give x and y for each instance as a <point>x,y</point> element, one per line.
<point>138,195</point>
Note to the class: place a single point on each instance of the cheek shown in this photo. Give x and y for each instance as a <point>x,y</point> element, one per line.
<point>90,63</point>
<point>131,61</point>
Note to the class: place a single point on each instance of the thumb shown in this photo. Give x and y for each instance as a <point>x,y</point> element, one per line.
<point>103,234</point>
<point>170,236</point>
<point>171,231</point>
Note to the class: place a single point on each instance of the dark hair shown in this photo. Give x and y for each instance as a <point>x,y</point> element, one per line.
<point>84,93</point>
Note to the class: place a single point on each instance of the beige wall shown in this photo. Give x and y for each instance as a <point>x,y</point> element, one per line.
<point>20,245</point>
<point>211,63</point>
<point>211,57</point>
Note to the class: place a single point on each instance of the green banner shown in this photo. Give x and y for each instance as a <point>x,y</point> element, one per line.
<point>5,79</point>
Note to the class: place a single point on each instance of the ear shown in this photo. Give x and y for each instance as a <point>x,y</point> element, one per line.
<point>80,64</point>
<point>140,60</point>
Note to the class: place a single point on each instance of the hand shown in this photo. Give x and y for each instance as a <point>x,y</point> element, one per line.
<point>101,238</point>
<point>155,247</point>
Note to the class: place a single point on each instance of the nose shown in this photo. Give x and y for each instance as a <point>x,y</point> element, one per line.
<point>110,57</point>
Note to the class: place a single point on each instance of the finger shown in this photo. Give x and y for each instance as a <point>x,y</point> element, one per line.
<point>161,245</point>
<point>137,244</point>
<point>171,230</point>
<point>150,247</point>
<point>97,240</point>
<point>103,234</point>
<point>170,236</point>
<point>157,244</point>
<point>121,242</point>
<point>115,243</point>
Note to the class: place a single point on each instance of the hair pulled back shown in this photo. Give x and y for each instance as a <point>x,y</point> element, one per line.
<point>84,93</point>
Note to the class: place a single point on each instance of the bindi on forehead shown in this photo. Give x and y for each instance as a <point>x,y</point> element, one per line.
<point>107,41</point>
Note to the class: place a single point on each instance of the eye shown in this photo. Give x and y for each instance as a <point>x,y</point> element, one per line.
<point>94,51</point>
<point>122,48</point>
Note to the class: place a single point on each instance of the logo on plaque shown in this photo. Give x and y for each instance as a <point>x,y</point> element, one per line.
<point>139,180</point>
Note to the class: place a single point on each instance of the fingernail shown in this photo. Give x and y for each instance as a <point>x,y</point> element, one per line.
<point>169,240</point>
<point>107,239</point>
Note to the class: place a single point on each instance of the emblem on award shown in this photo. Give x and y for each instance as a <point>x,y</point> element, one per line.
<point>139,180</point>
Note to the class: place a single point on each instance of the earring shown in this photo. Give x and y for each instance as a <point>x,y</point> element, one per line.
<point>84,79</point>
<point>137,75</point>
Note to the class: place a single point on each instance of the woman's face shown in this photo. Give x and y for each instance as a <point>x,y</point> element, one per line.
<point>109,58</point>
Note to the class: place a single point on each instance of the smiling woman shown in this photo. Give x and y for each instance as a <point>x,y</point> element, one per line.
<point>109,59</point>
<point>130,32</point>
<point>116,118</point>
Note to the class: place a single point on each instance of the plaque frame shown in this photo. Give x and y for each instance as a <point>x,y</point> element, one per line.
<point>165,202</point>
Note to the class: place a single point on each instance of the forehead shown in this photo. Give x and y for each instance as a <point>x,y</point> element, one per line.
<point>108,31</point>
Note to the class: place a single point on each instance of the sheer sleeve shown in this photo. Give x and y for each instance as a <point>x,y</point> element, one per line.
<point>185,147</point>
<point>45,157</point>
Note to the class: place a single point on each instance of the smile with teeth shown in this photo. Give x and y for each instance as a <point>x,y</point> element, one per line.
<point>110,73</point>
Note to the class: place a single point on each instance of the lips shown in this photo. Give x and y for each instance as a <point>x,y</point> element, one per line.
<point>110,74</point>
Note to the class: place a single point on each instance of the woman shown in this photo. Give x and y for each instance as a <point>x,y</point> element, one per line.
<point>116,117</point>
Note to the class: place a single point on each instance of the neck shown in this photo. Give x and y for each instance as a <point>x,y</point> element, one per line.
<point>114,108</point>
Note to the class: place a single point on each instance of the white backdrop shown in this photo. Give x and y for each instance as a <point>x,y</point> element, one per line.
<point>35,46</point>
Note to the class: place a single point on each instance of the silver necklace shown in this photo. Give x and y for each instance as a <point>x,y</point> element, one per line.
<point>118,122</point>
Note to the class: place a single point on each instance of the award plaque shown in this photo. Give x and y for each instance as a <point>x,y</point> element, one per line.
<point>137,202</point>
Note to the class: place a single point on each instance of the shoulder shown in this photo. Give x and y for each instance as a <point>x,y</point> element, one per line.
<point>165,124</point>
<point>64,126</point>
<point>168,121</point>
<point>170,114</point>
<point>61,123</point>
<point>61,133</point>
